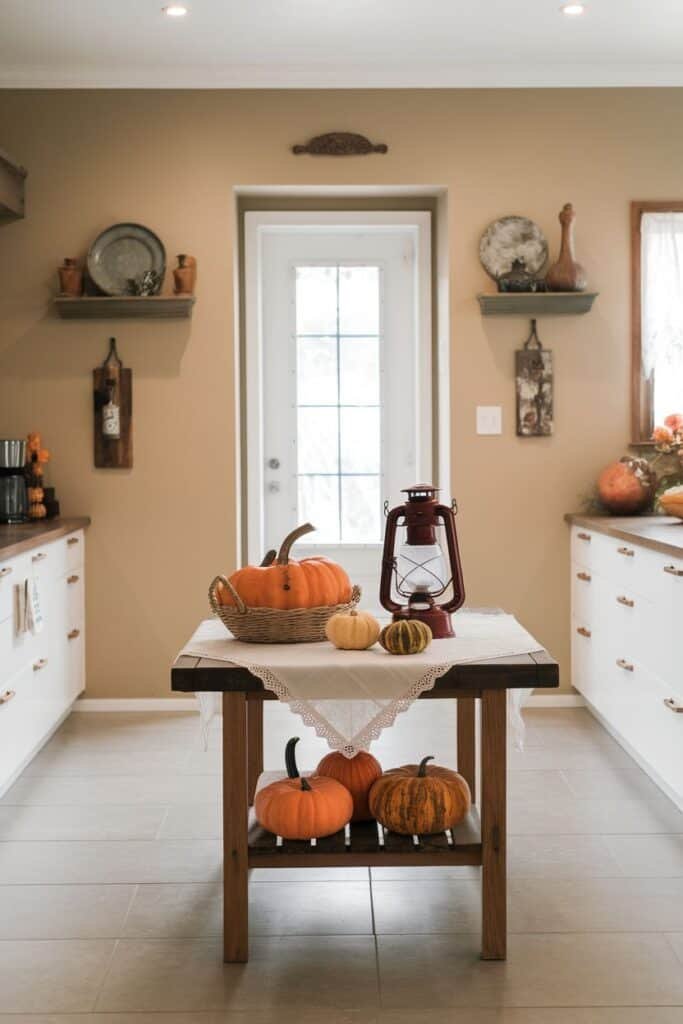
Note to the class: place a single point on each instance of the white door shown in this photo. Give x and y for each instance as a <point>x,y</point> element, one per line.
<point>341,383</point>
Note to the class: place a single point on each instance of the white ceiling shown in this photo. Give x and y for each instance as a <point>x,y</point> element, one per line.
<point>339,43</point>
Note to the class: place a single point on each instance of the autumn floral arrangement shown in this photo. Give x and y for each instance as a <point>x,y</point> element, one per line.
<point>652,482</point>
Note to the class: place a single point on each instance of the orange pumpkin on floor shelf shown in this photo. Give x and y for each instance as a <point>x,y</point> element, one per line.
<point>357,774</point>
<point>303,808</point>
<point>420,799</point>
<point>283,583</point>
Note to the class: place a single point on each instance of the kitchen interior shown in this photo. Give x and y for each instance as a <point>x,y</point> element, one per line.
<point>454,272</point>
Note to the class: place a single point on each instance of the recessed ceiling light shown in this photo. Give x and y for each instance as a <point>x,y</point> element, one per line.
<point>572,10</point>
<point>175,11</point>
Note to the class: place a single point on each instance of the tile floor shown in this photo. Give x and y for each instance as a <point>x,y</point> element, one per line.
<point>110,906</point>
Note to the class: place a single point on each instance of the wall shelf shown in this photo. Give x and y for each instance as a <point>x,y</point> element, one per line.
<point>12,178</point>
<point>109,307</point>
<point>536,304</point>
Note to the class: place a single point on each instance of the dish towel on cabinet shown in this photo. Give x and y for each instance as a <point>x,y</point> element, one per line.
<point>350,697</point>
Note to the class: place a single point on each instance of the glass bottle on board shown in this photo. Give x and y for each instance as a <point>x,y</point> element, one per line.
<point>111,410</point>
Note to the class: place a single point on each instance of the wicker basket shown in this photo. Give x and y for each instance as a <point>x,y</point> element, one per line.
<point>272,625</point>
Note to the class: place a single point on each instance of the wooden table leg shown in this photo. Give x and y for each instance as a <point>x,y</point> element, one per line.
<point>466,743</point>
<point>235,824</point>
<point>254,745</point>
<point>493,824</point>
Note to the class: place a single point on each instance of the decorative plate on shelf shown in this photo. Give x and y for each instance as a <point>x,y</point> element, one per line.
<point>510,239</point>
<point>123,254</point>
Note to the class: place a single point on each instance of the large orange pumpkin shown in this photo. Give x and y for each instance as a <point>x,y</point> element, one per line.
<point>303,808</point>
<point>357,774</point>
<point>420,799</point>
<point>281,582</point>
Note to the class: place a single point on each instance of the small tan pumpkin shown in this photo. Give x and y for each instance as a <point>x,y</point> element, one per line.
<point>420,799</point>
<point>357,774</point>
<point>303,808</point>
<point>352,631</point>
<point>406,636</point>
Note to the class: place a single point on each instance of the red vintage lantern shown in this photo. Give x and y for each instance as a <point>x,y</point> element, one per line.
<point>419,571</point>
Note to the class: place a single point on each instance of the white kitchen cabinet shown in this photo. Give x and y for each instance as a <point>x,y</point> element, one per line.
<point>43,671</point>
<point>627,612</point>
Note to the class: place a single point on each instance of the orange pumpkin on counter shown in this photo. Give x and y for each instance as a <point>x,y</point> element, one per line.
<point>283,583</point>
<point>357,774</point>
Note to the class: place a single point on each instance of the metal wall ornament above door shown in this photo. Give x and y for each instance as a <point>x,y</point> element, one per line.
<point>534,387</point>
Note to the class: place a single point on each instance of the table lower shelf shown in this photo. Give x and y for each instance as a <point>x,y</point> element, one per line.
<point>360,846</point>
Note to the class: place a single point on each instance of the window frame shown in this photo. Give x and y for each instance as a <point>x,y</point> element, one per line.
<point>642,422</point>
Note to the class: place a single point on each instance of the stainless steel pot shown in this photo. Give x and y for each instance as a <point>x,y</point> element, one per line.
<point>12,454</point>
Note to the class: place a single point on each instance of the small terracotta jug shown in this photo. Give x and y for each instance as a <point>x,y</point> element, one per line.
<point>566,275</point>
<point>70,277</point>
<point>185,275</point>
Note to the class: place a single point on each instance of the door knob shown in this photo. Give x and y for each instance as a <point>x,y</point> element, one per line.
<point>273,463</point>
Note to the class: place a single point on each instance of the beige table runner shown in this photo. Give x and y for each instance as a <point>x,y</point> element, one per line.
<point>349,697</point>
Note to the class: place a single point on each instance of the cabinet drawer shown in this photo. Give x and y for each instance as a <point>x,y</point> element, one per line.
<point>584,547</point>
<point>12,572</point>
<point>585,594</point>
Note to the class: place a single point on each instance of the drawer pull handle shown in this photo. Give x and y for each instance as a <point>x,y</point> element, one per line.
<point>584,536</point>
<point>41,663</point>
<point>73,579</point>
<point>6,697</point>
<point>582,631</point>
<point>6,571</point>
<point>626,665</point>
<point>629,552</point>
<point>626,601</point>
<point>72,540</point>
<point>673,705</point>
<point>73,634</point>
<point>671,569</point>
<point>39,557</point>
<point>585,576</point>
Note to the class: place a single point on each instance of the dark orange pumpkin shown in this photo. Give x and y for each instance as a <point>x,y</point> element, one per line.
<point>357,774</point>
<point>420,799</point>
<point>281,582</point>
<point>303,808</point>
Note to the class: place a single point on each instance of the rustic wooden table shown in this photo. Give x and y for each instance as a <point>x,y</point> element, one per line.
<point>479,840</point>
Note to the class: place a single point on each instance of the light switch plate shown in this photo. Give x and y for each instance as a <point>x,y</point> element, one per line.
<point>489,419</point>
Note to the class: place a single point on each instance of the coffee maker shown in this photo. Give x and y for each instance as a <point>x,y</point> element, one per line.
<point>13,497</point>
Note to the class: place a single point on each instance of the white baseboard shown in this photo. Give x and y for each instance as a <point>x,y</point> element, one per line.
<point>561,700</point>
<point>136,704</point>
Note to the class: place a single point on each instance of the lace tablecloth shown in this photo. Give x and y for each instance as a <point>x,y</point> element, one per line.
<point>349,697</point>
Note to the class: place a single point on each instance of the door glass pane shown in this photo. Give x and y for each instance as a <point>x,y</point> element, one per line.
<point>318,440</point>
<point>319,504</point>
<point>360,440</point>
<point>338,402</point>
<point>359,371</point>
<point>317,371</point>
<point>360,510</point>
<point>316,300</point>
<point>359,300</point>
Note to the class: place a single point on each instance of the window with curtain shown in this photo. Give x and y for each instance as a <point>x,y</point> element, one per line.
<point>657,315</point>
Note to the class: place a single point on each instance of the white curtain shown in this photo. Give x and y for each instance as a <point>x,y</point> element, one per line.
<point>662,294</point>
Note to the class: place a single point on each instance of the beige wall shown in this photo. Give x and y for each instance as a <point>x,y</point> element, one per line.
<point>171,160</point>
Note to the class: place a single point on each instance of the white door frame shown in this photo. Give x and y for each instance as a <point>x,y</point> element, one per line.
<point>256,225</point>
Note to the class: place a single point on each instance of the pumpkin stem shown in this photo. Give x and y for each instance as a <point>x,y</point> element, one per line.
<point>285,547</point>
<point>422,770</point>
<point>268,558</point>
<point>290,763</point>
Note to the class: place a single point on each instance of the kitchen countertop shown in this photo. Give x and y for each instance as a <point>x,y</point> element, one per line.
<point>23,536</point>
<point>659,533</point>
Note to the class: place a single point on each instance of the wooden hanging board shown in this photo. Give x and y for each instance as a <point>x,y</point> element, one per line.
<point>110,454</point>
<point>534,386</point>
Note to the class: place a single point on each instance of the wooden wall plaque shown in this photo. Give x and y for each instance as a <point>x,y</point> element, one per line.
<point>109,453</point>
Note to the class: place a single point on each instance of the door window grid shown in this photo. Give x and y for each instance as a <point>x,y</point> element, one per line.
<point>337,313</point>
